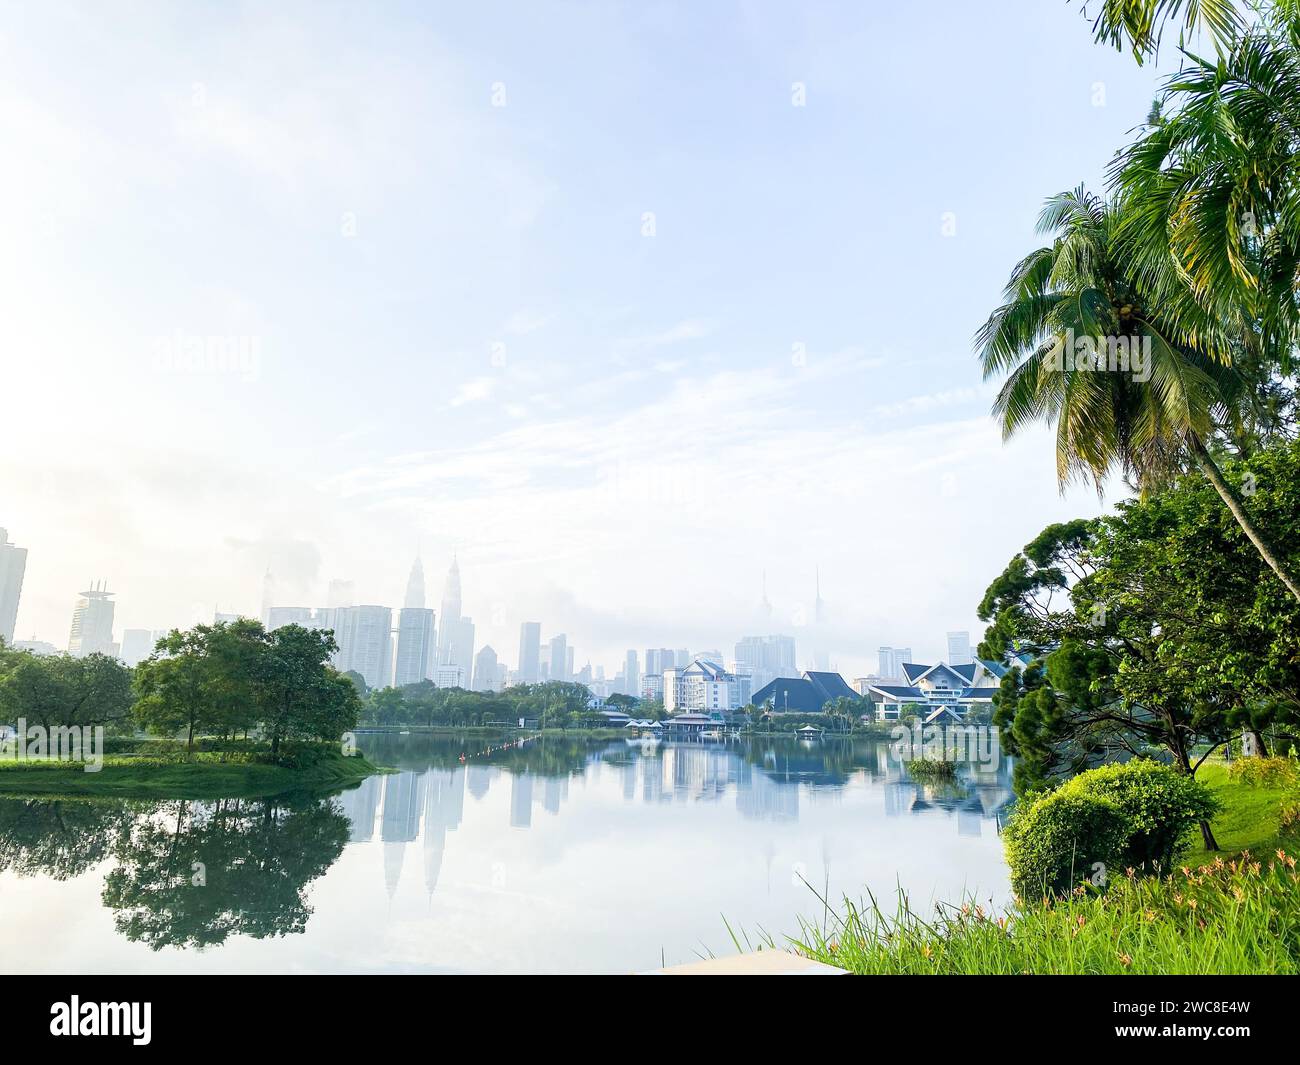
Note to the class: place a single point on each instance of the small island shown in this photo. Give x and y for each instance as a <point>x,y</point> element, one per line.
<point>224,710</point>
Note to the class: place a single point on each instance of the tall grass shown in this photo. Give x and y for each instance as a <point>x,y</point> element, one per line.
<point>1239,916</point>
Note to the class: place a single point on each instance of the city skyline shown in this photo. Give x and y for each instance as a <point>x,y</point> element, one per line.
<point>555,322</point>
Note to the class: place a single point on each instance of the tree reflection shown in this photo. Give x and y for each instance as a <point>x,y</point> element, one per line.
<point>186,874</point>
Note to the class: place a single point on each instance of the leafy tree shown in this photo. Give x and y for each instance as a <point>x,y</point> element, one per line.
<point>1085,287</point>
<point>174,685</point>
<point>59,690</point>
<point>299,695</point>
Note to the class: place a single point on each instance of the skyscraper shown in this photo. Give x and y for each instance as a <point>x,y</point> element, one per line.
<point>365,640</point>
<point>530,651</point>
<point>450,612</point>
<point>268,595</point>
<point>137,645</point>
<point>415,585</point>
<point>891,662</point>
<point>485,670</point>
<point>631,675</point>
<point>559,647</point>
<point>959,649</point>
<point>416,642</point>
<point>416,646</point>
<point>92,623</point>
<point>768,657</point>
<point>13,564</point>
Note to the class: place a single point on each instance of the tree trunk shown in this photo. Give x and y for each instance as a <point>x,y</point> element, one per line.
<point>1234,504</point>
<point>189,744</point>
<point>1207,836</point>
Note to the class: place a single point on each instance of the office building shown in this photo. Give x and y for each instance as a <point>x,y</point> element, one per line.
<point>13,564</point>
<point>365,639</point>
<point>959,649</point>
<point>767,657</point>
<point>530,651</point>
<point>92,623</point>
<point>892,660</point>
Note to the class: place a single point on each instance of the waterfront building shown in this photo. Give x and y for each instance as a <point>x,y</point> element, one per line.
<point>92,623</point>
<point>703,685</point>
<point>807,694</point>
<point>938,691</point>
<point>13,565</point>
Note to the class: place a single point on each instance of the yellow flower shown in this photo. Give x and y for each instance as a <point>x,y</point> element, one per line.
<point>1125,960</point>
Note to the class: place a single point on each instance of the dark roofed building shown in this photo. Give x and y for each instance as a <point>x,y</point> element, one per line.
<point>803,695</point>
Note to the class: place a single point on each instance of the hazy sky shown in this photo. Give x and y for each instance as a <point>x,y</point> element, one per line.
<point>422,230</point>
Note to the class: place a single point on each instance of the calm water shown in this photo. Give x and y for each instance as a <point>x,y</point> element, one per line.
<point>558,856</point>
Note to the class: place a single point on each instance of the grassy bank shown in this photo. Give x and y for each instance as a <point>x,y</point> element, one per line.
<point>1222,917</point>
<point>1234,911</point>
<point>207,775</point>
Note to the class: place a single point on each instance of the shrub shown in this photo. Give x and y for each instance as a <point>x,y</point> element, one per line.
<point>1055,841</point>
<point>1159,804</point>
<point>1289,821</point>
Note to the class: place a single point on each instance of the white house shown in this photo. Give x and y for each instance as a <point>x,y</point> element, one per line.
<point>940,690</point>
<point>704,686</point>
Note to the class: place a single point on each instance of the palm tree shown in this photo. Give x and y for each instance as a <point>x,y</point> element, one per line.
<point>1147,420</point>
<point>1139,23</point>
<point>1211,193</point>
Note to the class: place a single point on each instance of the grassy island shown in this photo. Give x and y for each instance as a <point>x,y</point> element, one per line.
<point>160,770</point>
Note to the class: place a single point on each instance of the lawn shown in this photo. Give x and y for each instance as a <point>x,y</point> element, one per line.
<point>1249,820</point>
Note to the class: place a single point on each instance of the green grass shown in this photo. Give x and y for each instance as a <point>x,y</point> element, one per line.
<point>205,777</point>
<point>1224,917</point>
<point>1237,911</point>
<point>1249,820</point>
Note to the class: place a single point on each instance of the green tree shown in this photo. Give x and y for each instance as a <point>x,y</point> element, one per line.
<point>59,690</point>
<point>1083,287</point>
<point>174,684</point>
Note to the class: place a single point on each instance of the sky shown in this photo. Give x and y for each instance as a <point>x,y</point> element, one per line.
<point>626,305</point>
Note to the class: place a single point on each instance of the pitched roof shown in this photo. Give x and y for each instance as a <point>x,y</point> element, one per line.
<point>913,670</point>
<point>831,685</point>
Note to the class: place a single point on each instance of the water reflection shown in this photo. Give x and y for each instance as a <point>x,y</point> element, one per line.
<point>582,829</point>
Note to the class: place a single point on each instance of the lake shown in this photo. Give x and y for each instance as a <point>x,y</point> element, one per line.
<point>560,855</point>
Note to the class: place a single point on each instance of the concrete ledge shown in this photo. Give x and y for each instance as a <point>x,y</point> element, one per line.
<point>760,963</point>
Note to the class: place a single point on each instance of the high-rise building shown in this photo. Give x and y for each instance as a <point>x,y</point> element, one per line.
<point>569,662</point>
<point>417,647</point>
<point>891,662</point>
<point>449,635</point>
<point>13,564</point>
<point>92,623</point>
<point>767,658</point>
<point>416,638</point>
<point>559,647</point>
<point>959,649</point>
<point>415,584</point>
<point>631,675</point>
<point>137,645</point>
<point>365,640</point>
<point>268,596</point>
<point>530,651</point>
<point>486,670</point>
<point>449,677</point>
